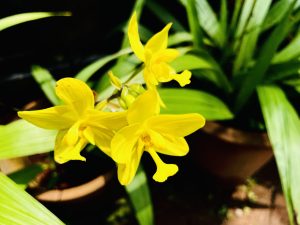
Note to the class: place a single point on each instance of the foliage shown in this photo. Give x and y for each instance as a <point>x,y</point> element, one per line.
<point>246,53</point>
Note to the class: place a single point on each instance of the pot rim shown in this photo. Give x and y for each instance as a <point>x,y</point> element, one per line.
<point>236,136</point>
<point>77,192</point>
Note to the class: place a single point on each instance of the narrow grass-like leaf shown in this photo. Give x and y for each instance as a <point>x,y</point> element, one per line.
<point>291,51</point>
<point>164,15</point>
<point>195,30</point>
<point>25,17</point>
<point>256,74</point>
<point>234,18</point>
<point>223,17</point>
<point>209,22</point>
<point>179,100</point>
<point>19,208</point>
<point>89,70</point>
<point>249,39</point>
<point>20,138</point>
<point>190,62</point>
<point>282,71</point>
<point>283,127</point>
<point>24,176</point>
<point>243,20</point>
<point>276,13</point>
<point>179,38</point>
<point>139,195</point>
<point>47,83</point>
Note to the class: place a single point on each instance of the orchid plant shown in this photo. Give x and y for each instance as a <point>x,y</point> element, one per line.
<point>123,135</point>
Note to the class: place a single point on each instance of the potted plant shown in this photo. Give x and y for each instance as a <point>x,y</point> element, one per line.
<point>246,56</point>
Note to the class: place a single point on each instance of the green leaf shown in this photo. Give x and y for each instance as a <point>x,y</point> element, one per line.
<point>18,208</point>
<point>282,71</point>
<point>164,15</point>
<point>283,127</point>
<point>276,13</point>
<point>139,195</point>
<point>88,71</point>
<point>47,83</point>
<point>179,37</point>
<point>20,138</point>
<point>190,62</point>
<point>256,74</point>
<point>24,176</point>
<point>291,51</point>
<point>223,17</point>
<point>25,17</point>
<point>181,100</point>
<point>251,33</point>
<point>195,30</point>
<point>209,22</point>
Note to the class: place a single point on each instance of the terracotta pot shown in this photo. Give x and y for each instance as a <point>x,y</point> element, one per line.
<point>231,155</point>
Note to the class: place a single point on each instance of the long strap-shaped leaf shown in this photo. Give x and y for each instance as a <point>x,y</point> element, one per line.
<point>19,208</point>
<point>193,101</point>
<point>25,17</point>
<point>283,127</point>
<point>255,76</point>
<point>139,195</point>
<point>20,138</point>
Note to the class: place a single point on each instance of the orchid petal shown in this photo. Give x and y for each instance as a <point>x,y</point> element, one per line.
<point>169,145</point>
<point>64,153</point>
<point>109,120</point>
<point>76,93</point>
<point>56,118</point>
<point>124,142</point>
<point>145,106</point>
<point>134,38</point>
<point>126,172</point>
<point>159,41</point>
<point>184,78</point>
<point>103,138</point>
<point>176,125</point>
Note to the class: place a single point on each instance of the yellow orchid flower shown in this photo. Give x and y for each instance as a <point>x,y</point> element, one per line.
<point>156,56</point>
<point>148,131</point>
<point>77,120</point>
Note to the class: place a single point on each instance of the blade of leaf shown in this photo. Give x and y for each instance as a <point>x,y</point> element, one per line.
<point>89,70</point>
<point>47,83</point>
<point>251,33</point>
<point>279,72</point>
<point>283,127</point>
<point>265,56</point>
<point>179,37</point>
<point>223,17</point>
<point>18,208</point>
<point>209,22</point>
<point>20,138</point>
<point>195,30</point>
<point>291,51</point>
<point>276,13</point>
<point>180,101</point>
<point>139,195</point>
<point>24,176</point>
<point>25,17</point>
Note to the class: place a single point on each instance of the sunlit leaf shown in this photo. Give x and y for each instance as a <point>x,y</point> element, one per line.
<point>179,100</point>
<point>21,138</point>
<point>25,17</point>
<point>19,208</point>
<point>47,83</point>
<point>139,195</point>
<point>283,127</point>
<point>91,69</point>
